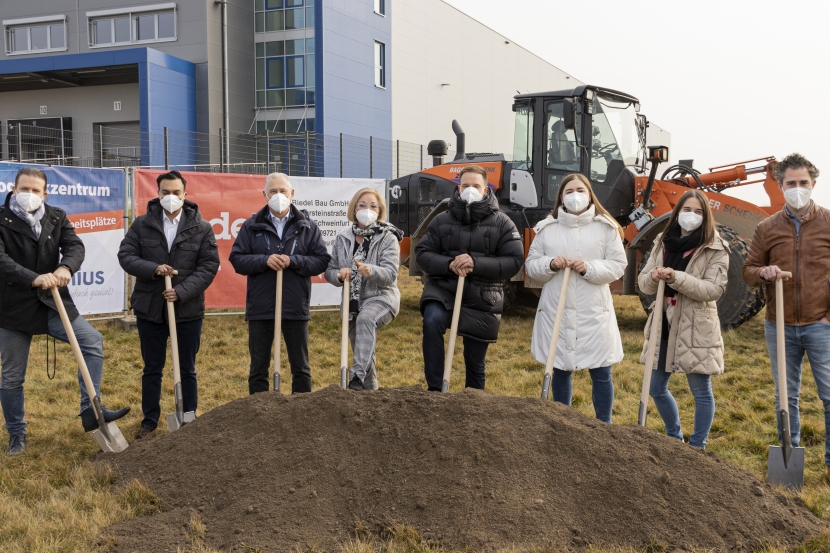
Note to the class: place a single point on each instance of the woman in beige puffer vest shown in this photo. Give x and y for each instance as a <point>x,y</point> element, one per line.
<point>693,260</point>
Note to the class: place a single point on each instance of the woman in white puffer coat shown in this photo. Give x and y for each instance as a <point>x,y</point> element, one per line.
<point>582,235</point>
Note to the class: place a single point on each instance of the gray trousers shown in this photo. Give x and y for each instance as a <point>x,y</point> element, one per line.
<point>363,335</point>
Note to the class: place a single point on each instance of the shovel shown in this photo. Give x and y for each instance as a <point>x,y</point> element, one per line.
<point>177,419</point>
<point>785,464</point>
<point>456,311</point>
<point>277,332</point>
<point>554,337</point>
<point>656,324</point>
<point>344,335</point>
<point>108,435</point>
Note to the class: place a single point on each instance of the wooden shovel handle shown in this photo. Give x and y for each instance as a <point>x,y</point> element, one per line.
<point>278,324</point>
<point>73,341</point>
<point>781,346</point>
<point>656,324</point>
<point>344,333</point>
<point>557,322</point>
<point>456,312</point>
<point>174,337</point>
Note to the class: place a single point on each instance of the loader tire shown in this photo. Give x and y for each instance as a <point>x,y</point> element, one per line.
<point>739,302</point>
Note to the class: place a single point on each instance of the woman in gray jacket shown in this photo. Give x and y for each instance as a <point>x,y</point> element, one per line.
<point>367,253</point>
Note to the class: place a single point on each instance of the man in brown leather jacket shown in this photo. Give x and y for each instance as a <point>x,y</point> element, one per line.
<point>797,239</point>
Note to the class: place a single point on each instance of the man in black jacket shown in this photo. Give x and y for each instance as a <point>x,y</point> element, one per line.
<point>475,240</point>
<point>279,237</point>
<point>39,250</point>
<point>171,236</point>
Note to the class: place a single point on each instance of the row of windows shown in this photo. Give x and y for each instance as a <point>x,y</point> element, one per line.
<point>265,5</point>
<point>283,47</point>
<point>284,20</point>
<point>286,125</point>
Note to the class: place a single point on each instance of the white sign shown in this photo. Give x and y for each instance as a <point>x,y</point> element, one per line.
<point>98,287</point>
<point>327,201</point>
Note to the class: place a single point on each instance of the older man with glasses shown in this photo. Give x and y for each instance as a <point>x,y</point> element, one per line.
<point>367,255</point>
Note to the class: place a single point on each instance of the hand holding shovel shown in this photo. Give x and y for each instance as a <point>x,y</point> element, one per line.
<point>108,435</point>
<point>177,419</point>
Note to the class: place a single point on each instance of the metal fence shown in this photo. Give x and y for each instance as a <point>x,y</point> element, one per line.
<point>297,154</point>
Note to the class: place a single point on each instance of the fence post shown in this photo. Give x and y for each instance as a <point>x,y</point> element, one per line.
<point>166,151</point>
<point>307,155</point>
<point>221,151</point>
<point>20,143</point>
<point>341,155</point>
<point>398,158</point>
<point>101,144</point>
<point>267,150</point>
<point>422,158</point>
<point>371,157</point>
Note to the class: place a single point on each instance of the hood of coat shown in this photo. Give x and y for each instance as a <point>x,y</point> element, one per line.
<point>570,220</point>
<point>476,211</point>
<point>189,209</point>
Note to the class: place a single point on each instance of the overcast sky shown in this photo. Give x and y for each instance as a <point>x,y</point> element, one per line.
<point>730,80</point>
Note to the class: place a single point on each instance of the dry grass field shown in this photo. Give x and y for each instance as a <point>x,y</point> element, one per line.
<point>52,499</point>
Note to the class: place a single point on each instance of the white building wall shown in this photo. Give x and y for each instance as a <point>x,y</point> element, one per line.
<point>449,66</point>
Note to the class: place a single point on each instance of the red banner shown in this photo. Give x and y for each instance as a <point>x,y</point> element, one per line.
<point>226,201</point>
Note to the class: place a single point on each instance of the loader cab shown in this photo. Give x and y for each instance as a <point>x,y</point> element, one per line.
<point>591,130</point>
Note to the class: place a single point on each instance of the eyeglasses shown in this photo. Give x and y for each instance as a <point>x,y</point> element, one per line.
<point>364,205</point>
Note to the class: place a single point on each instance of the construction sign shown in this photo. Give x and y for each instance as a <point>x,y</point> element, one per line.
<point>93,200</point>
<point>228,200</point>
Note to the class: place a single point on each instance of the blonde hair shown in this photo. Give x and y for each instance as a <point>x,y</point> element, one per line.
<point>351,213</point>
<point>597,206</point>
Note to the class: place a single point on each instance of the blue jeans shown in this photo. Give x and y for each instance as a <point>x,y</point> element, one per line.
<point>602,392</point>
<point>701,387</point>
<point>14,356</point>
<point>154,338</point>
<point>437,319</point>
<point>814,340</point>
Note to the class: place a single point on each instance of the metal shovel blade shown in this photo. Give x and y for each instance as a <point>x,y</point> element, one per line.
<point>789,474</point>
<point>116,442</point>
<point>174,423</point>
<point>343,372</point>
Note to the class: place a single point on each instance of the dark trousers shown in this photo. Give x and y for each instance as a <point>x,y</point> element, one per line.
<point>260,340</point>
<point>437,319</point>
<point>153,337</point>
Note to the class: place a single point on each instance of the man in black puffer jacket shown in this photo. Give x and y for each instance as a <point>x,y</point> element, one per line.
<point>474,239</point>
<point>171,236</point>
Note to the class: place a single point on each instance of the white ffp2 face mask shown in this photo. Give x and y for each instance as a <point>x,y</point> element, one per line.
<point>366,217</point>
<point>689,221</point>
<point>171,203</point>
<point>798,197</point>
<point>279,202</point>
<point>575,202</point>
<point>28,201</point>
<point>471,194</point>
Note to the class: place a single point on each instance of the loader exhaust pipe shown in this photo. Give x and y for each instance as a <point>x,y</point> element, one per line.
<point>459,140</point>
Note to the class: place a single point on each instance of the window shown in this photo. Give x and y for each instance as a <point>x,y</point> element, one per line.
<point>285,73</point>
<point>35,35</point>
<point>380,64</point>
<point>153,23</point>
<point>380,7</point>
<point>283,15</point>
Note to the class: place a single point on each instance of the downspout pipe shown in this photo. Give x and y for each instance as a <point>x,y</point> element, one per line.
<point>225,112</point>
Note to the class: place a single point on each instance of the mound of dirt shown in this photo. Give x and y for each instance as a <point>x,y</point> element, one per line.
<point>472,469</point>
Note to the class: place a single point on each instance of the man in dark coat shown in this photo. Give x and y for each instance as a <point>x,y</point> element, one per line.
<point>475,240</point>
<point>171,236</point>
<point>279,237</point>
<point>39,250</point>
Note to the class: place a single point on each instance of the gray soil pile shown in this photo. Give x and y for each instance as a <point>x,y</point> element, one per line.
<point>472,469</point>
